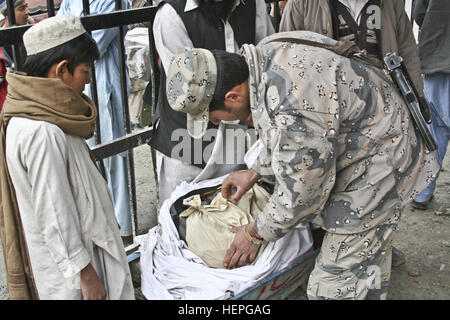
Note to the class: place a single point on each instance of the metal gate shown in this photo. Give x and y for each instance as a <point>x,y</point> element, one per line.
<point>12,36</point>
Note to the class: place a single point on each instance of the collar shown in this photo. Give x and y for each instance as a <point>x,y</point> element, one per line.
<point>355,7</point>
<point>193,4</point>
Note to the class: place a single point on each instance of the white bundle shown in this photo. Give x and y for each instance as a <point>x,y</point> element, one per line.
<point>169,270</point>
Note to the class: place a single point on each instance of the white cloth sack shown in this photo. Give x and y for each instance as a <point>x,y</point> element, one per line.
<point>169,270</point>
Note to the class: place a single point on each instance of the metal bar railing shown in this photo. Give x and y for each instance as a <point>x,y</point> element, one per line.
<point>126,113</point>
<point>50,8</point>
<point>12,22</point>
<point>122,144</point>
<point>98,136</point>
<point>154,80</point>
<point>277,16</point>
<point>10,12</point>
<point>10,36</point>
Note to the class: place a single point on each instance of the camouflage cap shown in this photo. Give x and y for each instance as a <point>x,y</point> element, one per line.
<point>191,81</point>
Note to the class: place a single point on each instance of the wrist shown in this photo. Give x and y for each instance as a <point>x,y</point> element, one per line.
<point>254,175</point>
<point>250,238</point>
<point>252,231</point>
<point>88,273</point>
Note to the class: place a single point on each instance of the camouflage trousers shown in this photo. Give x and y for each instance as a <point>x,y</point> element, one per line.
<point>353,266</point>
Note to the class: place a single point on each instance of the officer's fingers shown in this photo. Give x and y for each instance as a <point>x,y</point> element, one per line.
<point>239,193</point>
<point>228,255</point>
<point>233,229</point>
<point>227,185</point>
<point>234,259</point>
<point>252,256</point>
<point>242,260</point>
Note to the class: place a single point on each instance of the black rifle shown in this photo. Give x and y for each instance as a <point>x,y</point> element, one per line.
<point>418,106</point>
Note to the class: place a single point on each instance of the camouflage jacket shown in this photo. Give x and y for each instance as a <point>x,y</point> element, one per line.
<point>338,137</point>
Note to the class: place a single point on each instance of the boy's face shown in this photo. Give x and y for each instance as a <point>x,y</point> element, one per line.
<point>81,76</point>
<point>22,13</point>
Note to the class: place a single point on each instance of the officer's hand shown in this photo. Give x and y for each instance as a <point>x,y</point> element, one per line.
<point>242,251</point>
<point>243,180</point>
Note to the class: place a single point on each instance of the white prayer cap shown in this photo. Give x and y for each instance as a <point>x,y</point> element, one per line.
<point>52,32</point>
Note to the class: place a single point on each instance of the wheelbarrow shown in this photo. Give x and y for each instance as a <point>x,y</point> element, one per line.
<point>277,286</point>
<point>281,284</point>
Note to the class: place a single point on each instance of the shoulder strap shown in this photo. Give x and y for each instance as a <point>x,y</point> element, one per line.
<point>346,49</point>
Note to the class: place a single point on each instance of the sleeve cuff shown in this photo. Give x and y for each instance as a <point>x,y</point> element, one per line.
<point>265,232</point>
<point>72,266</point>
<point>262,169</point>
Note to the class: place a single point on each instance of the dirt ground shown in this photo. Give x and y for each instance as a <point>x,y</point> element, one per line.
<point>424,237</point>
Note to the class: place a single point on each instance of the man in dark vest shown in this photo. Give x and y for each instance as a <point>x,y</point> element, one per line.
<point>209,24</point>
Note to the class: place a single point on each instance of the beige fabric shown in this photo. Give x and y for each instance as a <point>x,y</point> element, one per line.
<point>207,233</point>
<point>49,100</point>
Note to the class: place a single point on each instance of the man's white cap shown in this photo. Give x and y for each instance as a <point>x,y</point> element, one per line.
<point>52,32</point>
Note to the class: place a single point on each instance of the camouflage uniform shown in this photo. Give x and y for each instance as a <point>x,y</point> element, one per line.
<point>342,148</point>
<point>339,143</point>
<point>353,266</point>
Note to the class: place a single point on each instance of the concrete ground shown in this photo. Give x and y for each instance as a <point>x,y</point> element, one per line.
<point>424,237</point>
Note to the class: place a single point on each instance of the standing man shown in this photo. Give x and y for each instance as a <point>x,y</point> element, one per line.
<point>61,239</point>
<point>112,123</point>
<point>337,138</point>
<point>433,18</point>
<point>21,13</point>
<point>376,26</point>
<point>212,24</point>
<point>6,54</point>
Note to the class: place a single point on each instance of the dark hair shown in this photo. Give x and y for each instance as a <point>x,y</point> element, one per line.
<point>214,11</point>
<point>232,70</point>
<point>81,49</point>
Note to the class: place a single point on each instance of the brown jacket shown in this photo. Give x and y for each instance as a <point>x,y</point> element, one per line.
<point>396,29</point>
